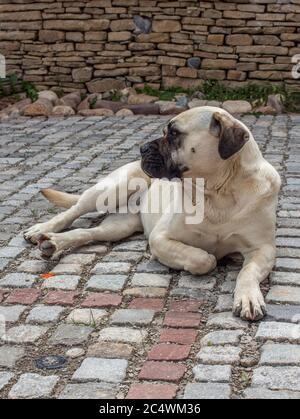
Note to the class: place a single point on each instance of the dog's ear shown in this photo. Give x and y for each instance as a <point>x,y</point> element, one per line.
<point>232,137</point>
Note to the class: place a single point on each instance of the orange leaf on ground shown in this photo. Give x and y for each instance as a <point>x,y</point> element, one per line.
<point>46,276</point>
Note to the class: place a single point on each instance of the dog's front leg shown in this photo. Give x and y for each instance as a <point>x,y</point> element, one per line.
<point>248,299</point>
<point>178,255</point>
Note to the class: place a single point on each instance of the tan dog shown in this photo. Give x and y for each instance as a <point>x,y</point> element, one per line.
<point>241,192</point>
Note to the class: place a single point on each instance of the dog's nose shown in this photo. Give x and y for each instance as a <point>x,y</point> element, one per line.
<point>145,148</point>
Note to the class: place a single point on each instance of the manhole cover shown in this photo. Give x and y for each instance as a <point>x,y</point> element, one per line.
<point>51,362</point>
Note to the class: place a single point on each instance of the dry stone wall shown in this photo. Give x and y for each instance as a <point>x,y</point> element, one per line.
<point>103,44</point>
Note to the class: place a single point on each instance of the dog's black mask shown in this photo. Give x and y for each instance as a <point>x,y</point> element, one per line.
<point>157,161</point>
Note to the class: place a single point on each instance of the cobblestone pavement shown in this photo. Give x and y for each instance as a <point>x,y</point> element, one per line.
<point>129,327</point>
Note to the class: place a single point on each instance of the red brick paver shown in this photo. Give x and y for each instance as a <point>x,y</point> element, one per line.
<point>23,296</point>
<point>99,299</point>
<point>152,391</point>
<point>156,304</point>
<point>165,371</point>
<point>190,305</point>
<point>65,298</point>
<point>169,352</point>
<point>182,336</point>
<point>180,319</point>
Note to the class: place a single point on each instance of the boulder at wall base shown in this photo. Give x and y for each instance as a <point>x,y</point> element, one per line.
<point>49,95</point>
<point>19,106</point>
<point>42,107</point>
<point>72,100</point>
<point>124,112</point>
<point>92,101</point>
<point>169,107</point>
<point>63,111</point>
<point>266,110</point>
<point>144,109</point>
<point>96,112</point>
<point>141,99</point>
<point>237,106</point>
<point>275,101</point>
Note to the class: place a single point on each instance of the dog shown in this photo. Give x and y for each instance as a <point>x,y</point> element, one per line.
<point>240,199</point>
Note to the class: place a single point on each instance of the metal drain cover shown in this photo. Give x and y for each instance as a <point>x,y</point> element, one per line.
<point>51,362</point>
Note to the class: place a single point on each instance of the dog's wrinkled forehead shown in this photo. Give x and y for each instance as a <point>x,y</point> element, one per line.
<point>194,119</point>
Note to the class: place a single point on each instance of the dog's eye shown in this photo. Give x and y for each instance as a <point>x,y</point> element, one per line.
<point>193,150</point>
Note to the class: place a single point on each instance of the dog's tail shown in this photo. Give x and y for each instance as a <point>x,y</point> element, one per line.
<point>61,199</point>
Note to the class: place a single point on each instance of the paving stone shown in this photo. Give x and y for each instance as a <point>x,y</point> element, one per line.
<point>70,335</point>
<point>212,373</point>
<point>224,303</point>
<point>132,316</point>
<point>78,258</point>
<point>285,278</point>
<point>152,266</point>
<point>165,371</point>
<point>152,292</point>
<point>179,319</point>
<point>222,337</point>
<point>65,298</point>
<point>5,378</point>
<point>10,355</point>
<point>202,391</point>
<point>89,391</point>
<point>190,305</point>
<point>24,334</point>
<point>101,369</point>
<point>288,263</point>
<point>283,313</point>
<point>23,296</point>
<point>226,320</point>
<point>264,393</point>
<point>219,355</point>
<point>97,299</point>
<point>277,378</point>
<point>67,268</point>
<point>110,350</point>
<point>150,280</point>
<point>155,304</point>
<point>181,336</point>
<point>169,352</point>
<point>44,314</point>
<point>278,332</point>
<point>17,280</point>
<point>198,282</point>
<point>3,263</point>
<point>10,251</point>
<point>87,316</point>
<point>13,313</point>
<point>111,268</point>
<point>132,257</point>
<point>33,266</point>
<point>137,245</point>
<point>122,334</point>
<point>33,386</point>
<point>193,293</point>
<point>280,354</point>
<point>152,391</point>
<point>284,294</point>
<point>106,282</point>
<point>63,282</point>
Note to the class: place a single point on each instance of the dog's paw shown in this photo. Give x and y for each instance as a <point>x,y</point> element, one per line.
<point>33,233</point>
<point>249,302</point>
<point>46,244</point>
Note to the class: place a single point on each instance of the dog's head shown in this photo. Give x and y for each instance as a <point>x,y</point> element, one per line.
<point>195,143</point>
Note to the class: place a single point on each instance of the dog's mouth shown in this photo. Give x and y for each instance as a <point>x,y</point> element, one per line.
<point>157,161</point>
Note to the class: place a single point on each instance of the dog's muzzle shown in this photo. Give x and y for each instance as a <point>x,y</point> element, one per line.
<point>157,161</point>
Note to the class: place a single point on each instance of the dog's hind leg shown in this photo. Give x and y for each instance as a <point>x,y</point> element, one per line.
<point>115,227</point>
<point>115,185</point>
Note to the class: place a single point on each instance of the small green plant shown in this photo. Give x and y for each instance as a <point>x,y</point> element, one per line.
<point>93,102</point>
<point>116,96</point>
<point>30,90</point>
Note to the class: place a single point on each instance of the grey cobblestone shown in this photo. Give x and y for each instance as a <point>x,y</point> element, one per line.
<point>17,280</point>
<point>212,373</point>
<point>89,391</point>
<point>9,355</point>
<point>101,369</point>
<point>62,282</point>
<point>24,334</point>
<point>284,294</point>
<point>122,334</point>
<point>150,280</point>
<point>277,378</point>
<point>44,314</point>
<point>219,355</point>
<point>70,334</point>
<point>5,378</point>
<point>12,313</point>
<point>132,316</point>
<point>278,332</point>
<point>222,337</point>
<point>280,354</point>
<point>33,386</point>
<point>204,391</point>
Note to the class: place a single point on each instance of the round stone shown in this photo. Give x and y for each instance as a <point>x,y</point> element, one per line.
<point>75,352</point>
<point>194,62</point>
<point>51,362</point>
